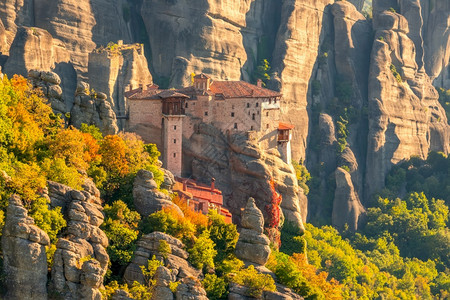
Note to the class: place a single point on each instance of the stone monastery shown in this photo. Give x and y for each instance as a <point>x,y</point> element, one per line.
<point>169,116</point>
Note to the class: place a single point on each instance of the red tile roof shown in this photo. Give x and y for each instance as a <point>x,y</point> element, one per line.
<point>241,89</point>
<point>285,126</point>
<point>199,191</point>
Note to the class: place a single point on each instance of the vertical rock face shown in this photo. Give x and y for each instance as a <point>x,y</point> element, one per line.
<point>49,83</point>
<point>80,260</point>
<point>93,108</point>
<point>253,245</point>
<point>114,71</point>
<point>437,42</point>
<point>24,257</point>
<point>82,24</point>
<point>302,28</point>
<point>34,48</point>
<point>15,13</point>
<point>347,208</point>
<point>405,117</point>
<point>242,170</point>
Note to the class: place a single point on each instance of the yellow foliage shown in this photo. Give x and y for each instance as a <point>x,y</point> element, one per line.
<point>113,150</point>
<point>196,218</point>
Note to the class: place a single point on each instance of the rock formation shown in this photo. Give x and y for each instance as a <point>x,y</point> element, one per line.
<point>49,83</point>
<point>24,256</point>
<point>81,25</point>
<point>116,69</point>
<point>148,246</point>
<point>405,117</point>
<point>253,244</point>
<point>161,290</point>
<point>243,170</point>
<point>80,260</point>
<point>190,288</point>
<point>92,107</point>
<point>147,198</point>
<point>347,207</point>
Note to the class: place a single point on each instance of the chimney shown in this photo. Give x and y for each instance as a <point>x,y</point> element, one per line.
<point>184,185</point>
<point>213,183</point>
<point>259,83</point>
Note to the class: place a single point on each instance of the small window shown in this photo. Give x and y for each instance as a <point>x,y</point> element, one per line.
<point>174,141</point>
<point>235,125</point>
<point>253,116</point>
<point>267,114</point>
<point>206,113</point>
<point>248,105</point>
<point>175,155</point>
<point>270,101</point>
<point>174,127</point>
<point>251,127</point>
<point>186,105</point>
<point>257,104</point>
<point>267,126</point>
<point>232,114</point>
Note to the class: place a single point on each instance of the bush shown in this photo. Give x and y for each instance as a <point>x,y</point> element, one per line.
<point>255,282</point>
<point>224,236</point>
<point>202,253</point>
<point>215,287</point>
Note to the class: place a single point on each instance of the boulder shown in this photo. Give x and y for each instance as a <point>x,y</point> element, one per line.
<point>24,256</point>
<point>190,288</point>
<point>163,277</point>
<point>147,198</point>
<point>252,245</point>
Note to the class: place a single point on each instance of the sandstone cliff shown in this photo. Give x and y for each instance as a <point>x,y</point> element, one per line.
<point>243,170</point>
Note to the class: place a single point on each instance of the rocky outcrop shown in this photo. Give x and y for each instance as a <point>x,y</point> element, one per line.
<point>148,246</point>
<point>405,117</point>
<point>49,83</point>
<point>238,292</point>
<point>80,260</point>
<point>242,170</point>
<point>81,25</point>
<point>190,288</point>
<point>161,290</point>
<point>24,256</point>
<point>92,107</point>
<point>347,207</point>
<point>34,49</point>
<point>116,69</point>
<point>147,198</point>
<point>253,244</point>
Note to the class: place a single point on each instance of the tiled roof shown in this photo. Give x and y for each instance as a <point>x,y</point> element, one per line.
<point>199,191</point>
<point>241,89</point>
<point>202,76</point>
<point>285,126</point>
<point>221,90</point>
<point>171,94</point>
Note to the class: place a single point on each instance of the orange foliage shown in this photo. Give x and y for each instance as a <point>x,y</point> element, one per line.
<point>91,149</point>
<point>196,218</point>
<point>69,145</point>
<point>113,150</point>
<point>331,289</point>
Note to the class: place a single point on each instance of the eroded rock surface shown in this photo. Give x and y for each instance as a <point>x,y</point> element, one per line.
<point>24,256</point>
<point>148,246</point>
<point>80,260</point>
<point>405,117</point>
<point>116,70</point>
<point>147,198</point>
<point>347,207</point>
<point>242,170</point>
<point>93,108</point>
<point>253,244</point>
<point>49,83</point>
